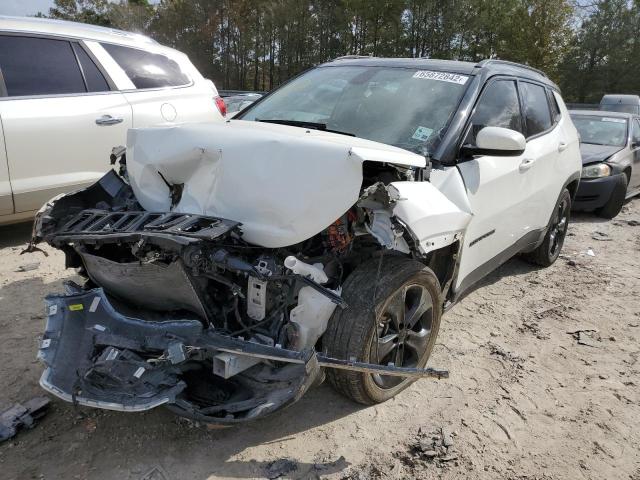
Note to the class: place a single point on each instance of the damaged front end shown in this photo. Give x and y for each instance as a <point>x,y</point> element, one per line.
<point>180,310</point>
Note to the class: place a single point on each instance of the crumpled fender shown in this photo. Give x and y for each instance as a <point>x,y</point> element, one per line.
<point>284,184</point>
<point>433,219</point>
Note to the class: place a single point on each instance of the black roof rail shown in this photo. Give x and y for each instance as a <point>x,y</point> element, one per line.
<point>513,64</point>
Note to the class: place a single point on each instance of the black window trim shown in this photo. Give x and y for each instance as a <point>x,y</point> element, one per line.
<point>80,42</point>
<point>552,99</point>
<point>75,54</point>
<point>467,127</point>
<point>101,69</point>
<point>154,89</point>
<point>3,86</point>
<point>522,111</point>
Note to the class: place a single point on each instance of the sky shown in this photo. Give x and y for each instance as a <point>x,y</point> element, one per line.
<point>24,7</point>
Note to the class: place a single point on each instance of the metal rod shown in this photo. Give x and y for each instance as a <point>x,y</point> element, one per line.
<point>382,369</point>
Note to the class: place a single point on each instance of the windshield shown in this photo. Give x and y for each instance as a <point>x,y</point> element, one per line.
<point>601,130</point>
<point>407,108</point>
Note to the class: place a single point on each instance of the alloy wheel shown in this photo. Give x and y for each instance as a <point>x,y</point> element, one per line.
<point>558,229</point>
<point>403,331</point>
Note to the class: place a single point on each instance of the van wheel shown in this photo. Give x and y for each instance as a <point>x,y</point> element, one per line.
<point>392,320</point>
<point>549,250</point>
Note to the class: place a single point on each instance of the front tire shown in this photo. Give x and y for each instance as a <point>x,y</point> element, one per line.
<point>613,206</point>
<point>401,329</point>
<point>549,250</point>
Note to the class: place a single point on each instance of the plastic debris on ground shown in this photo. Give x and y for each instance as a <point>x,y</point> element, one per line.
<point>21,415</point>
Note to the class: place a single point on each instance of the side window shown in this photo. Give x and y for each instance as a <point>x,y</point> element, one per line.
<point>498,107</point>
<point>536,108</point>
<point>146,69</point>
<point>635,135</point>
<point>39,66</point>
<point>92,75</point>
<point>555,108</point>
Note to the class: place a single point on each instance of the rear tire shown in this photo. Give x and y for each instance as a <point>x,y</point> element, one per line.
<point>402,328</point>
<point>548,251</point>
<point>612,208</point>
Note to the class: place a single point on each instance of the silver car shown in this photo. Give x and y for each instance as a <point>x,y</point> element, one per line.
<point>610,148</point>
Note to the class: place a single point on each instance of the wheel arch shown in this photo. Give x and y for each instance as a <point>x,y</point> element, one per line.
<point>572,186</point>
<point>444,262</point>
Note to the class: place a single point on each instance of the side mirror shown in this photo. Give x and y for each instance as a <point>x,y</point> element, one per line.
<point>497,141</point>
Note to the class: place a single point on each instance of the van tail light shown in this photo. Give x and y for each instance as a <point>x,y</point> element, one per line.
<point>221,105</point>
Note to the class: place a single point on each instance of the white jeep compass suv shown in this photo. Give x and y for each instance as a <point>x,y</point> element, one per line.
<point>327,229</point>
<point>68,94</point>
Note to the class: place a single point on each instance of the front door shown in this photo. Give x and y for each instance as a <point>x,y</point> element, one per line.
<point>60,117</point>
<point>498,188</point>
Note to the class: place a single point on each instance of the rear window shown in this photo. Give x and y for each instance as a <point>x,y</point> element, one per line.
<point>536,108</point>
<point>146,69</point>
<point>39,66</point>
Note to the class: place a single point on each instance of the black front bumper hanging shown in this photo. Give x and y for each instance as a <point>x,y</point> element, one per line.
<point>96,356</point>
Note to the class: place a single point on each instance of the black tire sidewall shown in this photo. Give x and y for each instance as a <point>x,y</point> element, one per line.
<point>351,331</point>
<point>541,255</point>
<point>428,279</point>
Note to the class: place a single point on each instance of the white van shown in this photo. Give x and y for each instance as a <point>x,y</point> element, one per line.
<point>68,94</point>
<point>621,103</point>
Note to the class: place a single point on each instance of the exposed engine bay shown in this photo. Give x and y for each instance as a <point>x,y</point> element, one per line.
<point>180,309</point>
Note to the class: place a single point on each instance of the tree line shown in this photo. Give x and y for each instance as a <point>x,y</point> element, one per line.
<point>587,48</point>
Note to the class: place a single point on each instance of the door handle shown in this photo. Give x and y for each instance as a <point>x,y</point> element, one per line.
<point>562,146</point>
<point>108,120</point>
<point>526,164</point>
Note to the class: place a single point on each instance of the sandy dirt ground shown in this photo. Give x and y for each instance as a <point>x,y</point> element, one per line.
<point>526,399</point>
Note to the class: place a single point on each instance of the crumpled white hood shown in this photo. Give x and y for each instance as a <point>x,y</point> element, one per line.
<point>284,184</point>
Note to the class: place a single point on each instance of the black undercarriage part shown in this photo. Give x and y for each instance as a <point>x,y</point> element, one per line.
<point>98,357</point>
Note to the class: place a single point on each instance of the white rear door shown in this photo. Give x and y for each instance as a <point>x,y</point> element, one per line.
<point>161,85</point>
<point>547,144</point>
<point>60,117</point>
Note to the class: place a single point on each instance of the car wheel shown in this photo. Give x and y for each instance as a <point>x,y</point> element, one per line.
<point>549,250</point>
<point>394,319</point>
<point>612,208</point>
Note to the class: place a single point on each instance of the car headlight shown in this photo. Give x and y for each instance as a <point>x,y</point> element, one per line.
<point>596,171</point>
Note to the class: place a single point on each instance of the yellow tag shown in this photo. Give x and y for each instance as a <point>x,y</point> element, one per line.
<point>76,307</point>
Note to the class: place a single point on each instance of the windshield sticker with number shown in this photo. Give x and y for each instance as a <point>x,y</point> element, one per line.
<point>442,76</point>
